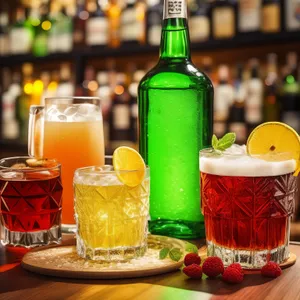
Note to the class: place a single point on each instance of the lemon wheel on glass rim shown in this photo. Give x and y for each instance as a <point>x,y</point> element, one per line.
<point>130,161</point>
<point>273,138</point>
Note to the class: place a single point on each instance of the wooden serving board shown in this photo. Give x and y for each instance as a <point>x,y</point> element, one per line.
<point>289,262</point>
<point>63,261</point>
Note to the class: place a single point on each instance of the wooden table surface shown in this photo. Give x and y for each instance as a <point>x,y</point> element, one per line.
<point>17,283</point>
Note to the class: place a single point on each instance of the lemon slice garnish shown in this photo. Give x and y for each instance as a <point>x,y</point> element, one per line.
<point>276,141</point>
<point>129,165</point>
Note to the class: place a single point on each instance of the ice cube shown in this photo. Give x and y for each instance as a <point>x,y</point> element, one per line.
<point>70,111</point>
<point>62,118</point>
<point>109,179</point>
<point>52,114</point>
<point>107,168</point>
<point>236,150</point>
<point>78,118</point>
<point>87,108</point>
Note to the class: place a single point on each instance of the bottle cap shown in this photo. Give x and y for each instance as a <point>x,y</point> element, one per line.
<point>175,9</point>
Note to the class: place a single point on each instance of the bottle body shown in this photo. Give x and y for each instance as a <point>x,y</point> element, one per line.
<point>224,19</point>
<point>154,16</point>
<point>175,117</point>
<point>290,93</point>
<point>199,21</point>
<point>270,16</point>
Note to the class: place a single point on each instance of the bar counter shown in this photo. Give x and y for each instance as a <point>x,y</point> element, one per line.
<point>17,283</point>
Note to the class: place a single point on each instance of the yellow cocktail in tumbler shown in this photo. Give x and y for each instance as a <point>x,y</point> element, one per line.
<point>111,217</point>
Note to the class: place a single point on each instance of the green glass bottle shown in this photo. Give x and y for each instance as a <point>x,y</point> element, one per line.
<point>176,118</point>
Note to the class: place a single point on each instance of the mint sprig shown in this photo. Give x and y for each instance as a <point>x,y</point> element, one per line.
<point>223,143</point>
<point>175,253</point>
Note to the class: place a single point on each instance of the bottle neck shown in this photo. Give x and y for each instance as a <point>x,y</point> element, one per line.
<point>175,41</point>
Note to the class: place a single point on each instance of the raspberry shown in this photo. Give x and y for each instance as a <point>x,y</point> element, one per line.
<point>271,269</point>
<point>236,266</point>
<point>232,275</point>
<point>193,271</point>
<point>192,258</point>
<point>213,266</point>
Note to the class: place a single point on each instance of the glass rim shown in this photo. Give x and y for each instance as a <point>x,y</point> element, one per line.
<point>89,171</point>
<point>103,172</point>
<point>31,170</point>
<point>73,97</point>
<point>211,150</point>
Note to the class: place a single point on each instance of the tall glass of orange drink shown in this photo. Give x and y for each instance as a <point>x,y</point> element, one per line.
<point>69,129</point>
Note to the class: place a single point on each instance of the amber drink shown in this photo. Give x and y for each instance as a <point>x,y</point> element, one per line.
<point>70,130</point>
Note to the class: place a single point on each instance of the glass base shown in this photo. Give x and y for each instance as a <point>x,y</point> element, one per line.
<point>31,239</point>
<point>118,254</point>
<point>177,228</point>
<point>68,228</point>
<point>248,259</point>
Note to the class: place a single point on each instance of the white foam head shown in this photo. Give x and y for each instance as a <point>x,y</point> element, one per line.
<point>235,162</point>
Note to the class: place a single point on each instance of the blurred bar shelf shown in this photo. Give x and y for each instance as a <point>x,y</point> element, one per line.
<point>12,148</point>
<point>17,144</point>
<point>128,50</point>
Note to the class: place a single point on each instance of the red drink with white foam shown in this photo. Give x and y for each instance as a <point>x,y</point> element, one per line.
<point>247,204</point>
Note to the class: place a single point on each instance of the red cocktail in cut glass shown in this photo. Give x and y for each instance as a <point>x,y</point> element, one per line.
<point>31,201</point>
<point>247,204</point>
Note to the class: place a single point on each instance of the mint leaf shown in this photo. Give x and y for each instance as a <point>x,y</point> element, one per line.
<point>191,248</point>
<point>175,254</point>
<point>163,253</point>
<point>214,142</point>
<point>226,141</point>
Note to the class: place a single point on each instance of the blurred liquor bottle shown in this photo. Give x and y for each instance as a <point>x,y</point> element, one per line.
<point>41,31</point>
<point>249,19</point>
<point>51,90</point>
<point>271,101</point>
<point>290,93</point>
<point>65,85</point>
<point>254,98</point>
<point>224,98</point>
<point>224,15</point>
<point>199,21</point>
<point>105,94</point>
<point>133,92</point>
<point>6,79</point>
<point>96,25</point>
<point>270,16</point>
<point>4,29</point>
<point>133,22</point>
<point>90,85</point>
<point>207,68</point>
<point>236,119</point>
<point>154,17</point>
<point>46,80</point>
<point>113,14</point>
<point>24,100</point>
<point>292,15</point>
<point>119,123</point>
<point>79,25</point>
<point>54,18</point>
<point>65,30</point>
<point>10,128</point>
<point>21,33</point>
<point>37,92</point>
